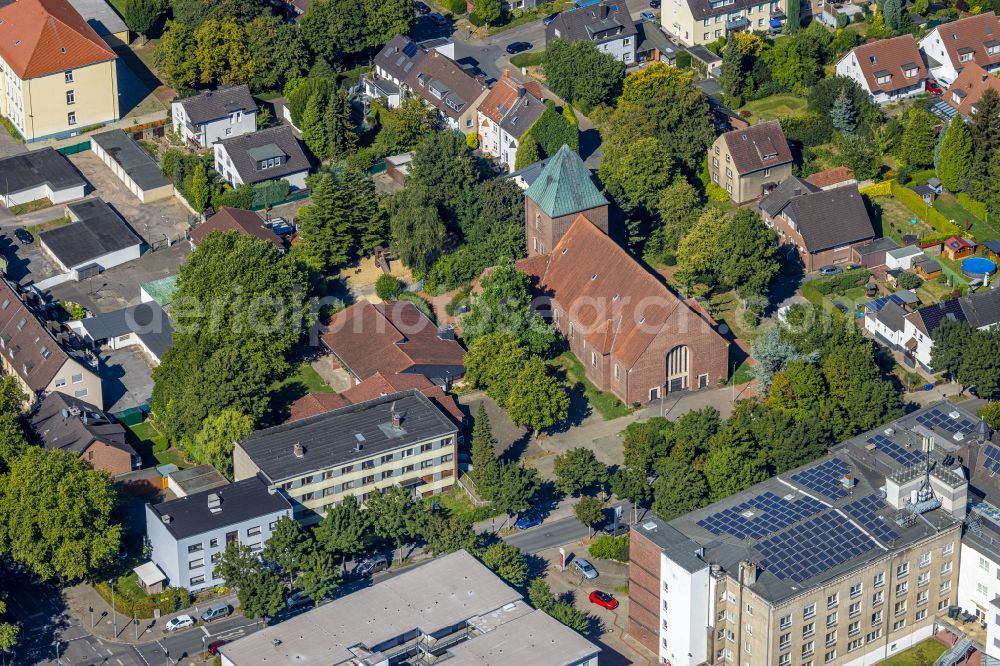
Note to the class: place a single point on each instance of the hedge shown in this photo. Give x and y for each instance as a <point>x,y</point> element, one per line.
<point>912,200</point>
<point>883,189</point>
<point>610,548</point>
<point>838,284</point>
<point>169,601</point>
<point>977,208</point>
<point>454,6</point>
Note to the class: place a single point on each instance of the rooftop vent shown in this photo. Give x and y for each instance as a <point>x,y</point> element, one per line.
<point>298,450</point>
<point>166,518</point>
<point>397,418</point>
<point>649,526</point>
<point>889,432</point>
<point>359,441</point>
<point>847,481</point>
<point>215,503</point>
<point>955,414</point>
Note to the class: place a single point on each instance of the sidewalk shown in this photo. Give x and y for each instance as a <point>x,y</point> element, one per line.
<point>82,597</point>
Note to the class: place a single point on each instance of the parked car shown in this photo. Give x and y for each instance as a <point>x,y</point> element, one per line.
<point>213,648</point>
<point>24,236</point>
<point>840,306</point>
<point>298,600</point>
<point>826,271</point>
<point>438,18</point>
<point>655,4</point>
<point>528,520</point>
<point>585,568</point>
<point>422,8</point>
<point>613,531</point>
<point>603,599</point>
<point>280,226</point>
<point>648,17</point>
<point>933,88</point>
<point>550,18</point>
<point>371,565</point>
<point>179,622</point>
<point>518,47</point>
<point>216,612</point>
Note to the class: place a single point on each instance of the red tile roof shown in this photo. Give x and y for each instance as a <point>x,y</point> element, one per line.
<point>40,37</point>
<point>890,56</point>
<point>977,33</point>
<point>830,177</point>
<point>504,94</point>
<point>374,387</point>
<point>389,338</point>
<point>621,306</point>
<point>969,86</point>
<point>245,222</point>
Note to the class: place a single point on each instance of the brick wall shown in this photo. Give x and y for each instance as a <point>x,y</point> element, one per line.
<point>812,261</point>
<point>108,458</point>
<point>550,231</point>
<point>644,591</point>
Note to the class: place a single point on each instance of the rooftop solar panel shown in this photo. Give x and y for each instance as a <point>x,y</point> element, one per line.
<point>812,547</point>
<point>936,418</point>
<point>760,516</point>
<point>864,511</point>
<point>901,455</point>
<point>991,459</point>
<point>824,478</point>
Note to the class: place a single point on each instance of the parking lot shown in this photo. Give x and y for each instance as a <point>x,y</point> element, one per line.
<point>26,263</point>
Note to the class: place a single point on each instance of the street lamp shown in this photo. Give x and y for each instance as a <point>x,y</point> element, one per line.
<point>114,613</point>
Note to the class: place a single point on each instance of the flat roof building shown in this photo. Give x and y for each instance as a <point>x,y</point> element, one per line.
<point>97,239</point>
<point>451,608</point>
<point>39,174</point>
<point>849,558</point>
<point>399,439</point>
<point>132,165</point>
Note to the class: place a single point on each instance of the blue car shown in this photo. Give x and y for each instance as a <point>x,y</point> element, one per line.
<point>528,520</point>
<point>648,17</point>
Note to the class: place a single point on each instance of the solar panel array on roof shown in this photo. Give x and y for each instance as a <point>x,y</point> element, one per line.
<point>410,49</point>
<point>865,512</point>
<point>758,517</point>
<point>813,547</point>
<point>825,478</point>
<point>935,418</point>
<point>903,456</point>
<point>992,459</point>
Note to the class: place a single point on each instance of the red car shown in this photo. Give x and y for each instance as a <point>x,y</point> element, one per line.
<point>213,648</point>
<point>933,88</point>
<point>603,599</point>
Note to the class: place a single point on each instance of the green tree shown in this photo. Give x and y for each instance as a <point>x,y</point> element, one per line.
<point>794,21</point>
<point>858,154</point>
<point>842,113</point>
<point>319,575</point>
<point>578,470</point>
<point>908,280</point>
<point>444,171</point>
<point>395,516</point>
<point>261,593</point>
<point>196,12</point>
<point>990,412</point>
<point>175,55</point>
<point>632,484</point>
<point>527,153</point>
<point>589,511</point>
<point>489,11</point>
<point>637,173</point>
<point>341,139</point>
<point>748,255</point>
<point>553,130</point>
<point>798,390</point>
<point>57,515</point>
<point>387,286</point>
<point>223,53</point>
<point>278,52</point>
<point>334,29</point>
<point>236,564</point>
<point>893,13</point>
<point>791,64</point>
<point>824,94</point>
<point>12,441</point>
<point>288,546</point>
<point>541,401</point>
<point>572,617</point>
<point>678,207</point>
<point>314,126</point>
<point>540,595</point>
<point>732,468</point>
<point>8,632</point>
<point>919,138</point>
<point>504,305</point>
<point>951,344</point>
<point>213,444</point>
<point>199,188</point>
<point>384,19</point>
<point>582,74</point>
<point>342,530</point>
<point>678,489</point>
<point>956,156</point>
<point>984,130</point>
<point>325,226</point>
<point>493,362</point>
<point>506,561</point>
<point>402,128</point>
<point>448,534</point>
<point>484,455</point>
<point>417,230</point>
<point>644,442</point>
<point>141,15</point>
<point>515,489</point>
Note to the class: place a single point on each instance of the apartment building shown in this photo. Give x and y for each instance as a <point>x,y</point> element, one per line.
<point>57,75</point>
<point>450,610</point>
<point>747,162</point>
<point>399,439</point>
<point>699,22</point>
<point>215,115</point>
<point>845,561</point>
<point>607,23</point>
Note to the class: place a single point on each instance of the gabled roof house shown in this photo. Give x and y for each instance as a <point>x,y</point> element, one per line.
<point>888,69</point>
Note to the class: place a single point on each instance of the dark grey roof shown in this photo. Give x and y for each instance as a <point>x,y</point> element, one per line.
<point>68,423</point>
<point>240,148</point>
<point>241,501</point>
<point>216,104</point>
<point>400,56</point>
<point>38,167</point>
<point>606,21</point>
<point>982,309</point>
<point>651,37</point>
<point>701,9</point>
<point>892,315</point>
<point>99,231</point>
<point>332,438</point>
<point>933,315</point>
<point>136,162</point>
<point>530,173</point>
<point>703,54</point>
<point>878,245</point>
<point>526,110</point>
<point>778,198</point>
<point>147,320</point>
<point>827,218</point>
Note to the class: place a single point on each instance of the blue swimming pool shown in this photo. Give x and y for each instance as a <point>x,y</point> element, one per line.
<point>977,267</point>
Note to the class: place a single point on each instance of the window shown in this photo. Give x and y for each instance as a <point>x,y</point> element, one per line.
<point>856,590</point>
<point>854,609</point>
<point>426,447</point>
<point>876,618</point>
<point>424,464</point>
<point>618,371</point>
<point>197,580</point>
<point>923,578</point>
<point>833,600</point>
<point>831,619</point>
<point>784,641</point>
<point>387,474</point>
<point>749,629</point>
<point>921,614</point>
<point>948,549</point>
<point>925,559</point>
<point>368,479</point>
<point>984,564</point>
<point>60,382</point>
<point>898,624</point>
<point>749,609</point>
<point>903,570</point>
<point>80,393</point>
<point>307,497</point>
<point>729,172</point>
<point>853,628</point>
<point>593,359</point>
<point>965,57</point>
<point>901,588</point>
<point>946,568</point>
<point>945,587</point>
<point>922,597</point>
<point>68,75</point>
<point>386,459</point>
<point>216,557</point>
<point>71,118</point>
<point>367,464</point>
<point>786,621</point>
<point>855,644</point>
<point>830,656</point>
<point>77,378</point>
<point>767,172</point>
<point>874,635</point>
<point>877,598</point>
<point>831,637</point>
<point>70,97</point>
<point>808,630</point>
<point>196,564</point>
<point>90,455</point>
<point>809,611</point>
<point>229,131</point>
<point>214,543</point>
<point>808,648</point>
<point>981,589</point>
<point>194,548</point>
<point>879,579</point>
<point>899,608</point>
<point>944,603</point>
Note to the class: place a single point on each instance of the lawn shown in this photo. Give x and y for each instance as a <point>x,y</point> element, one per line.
<point>151,445</point>
<point>458,504</point>
<point>27,207</point>
<point>949,206</point>
<point>895,220</point>
<point>775,107</point>
<point>922,653</point>
<point>606,404</point>
<point>742,375</point>
<point>309,379</point>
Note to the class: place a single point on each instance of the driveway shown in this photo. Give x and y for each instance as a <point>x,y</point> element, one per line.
<point>9,145</point>
<point>26,263</point>
<point>153,221</point>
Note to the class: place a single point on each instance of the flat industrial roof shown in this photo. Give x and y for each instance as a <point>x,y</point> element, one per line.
<point>334,437</point>
<point>99,231</point>
<point>38,167</point>
<point>136,162</point>
<point>433,598</point>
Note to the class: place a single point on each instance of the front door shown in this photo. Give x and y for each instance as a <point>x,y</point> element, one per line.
<point>677,369</point>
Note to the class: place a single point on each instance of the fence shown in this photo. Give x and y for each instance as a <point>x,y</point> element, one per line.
<point>74,149</point>
<point>131,416</point>
<point>298,195</point>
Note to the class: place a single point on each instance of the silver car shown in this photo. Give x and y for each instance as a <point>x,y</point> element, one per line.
<point>585,568</point>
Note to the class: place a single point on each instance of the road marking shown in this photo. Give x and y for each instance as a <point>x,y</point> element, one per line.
<point>205,629</point>
<point>119,662</point>
<point>141,656</point>
<point>109,652</point>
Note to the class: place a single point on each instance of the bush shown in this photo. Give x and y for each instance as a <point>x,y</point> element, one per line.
<point>907,280</point>
<point>769,88</point>
<point>977,208</point>
<point>472,141</point>
<point>421,304</point>
<point>883,189</point>
<point>838,284</point>
<point>476,21</point>
<point>387,286</point>
<point>528,59</point>
<point>160,444</point>
<point>454,6</point>
<point>459,300</point>
<point>811,129</point>
<point>610,548</point>
<point>683,60</point>
<point>716,193</point>
<point>903,177</point>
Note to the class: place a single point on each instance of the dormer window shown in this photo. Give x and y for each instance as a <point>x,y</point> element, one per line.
<point>965,57</point>
<point>21,323</point>
<point>993,50</point>
<point>872,59</point>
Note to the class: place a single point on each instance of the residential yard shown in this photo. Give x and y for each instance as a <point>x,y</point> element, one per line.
<point>775,107</point>
<point>896,220</point>
<point>458,504</point>
<point>922,653</point>
<point>948,205</point>
<point>151,444</point>
<point>606,404</point>
<point>309,379</point>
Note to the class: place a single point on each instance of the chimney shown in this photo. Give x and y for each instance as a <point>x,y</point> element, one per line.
<point>298,450</point>
<point>506,73</point>
<point>397,418</point>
